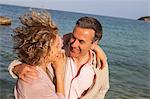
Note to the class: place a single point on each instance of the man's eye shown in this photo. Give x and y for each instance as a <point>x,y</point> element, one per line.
<point>81,41</point>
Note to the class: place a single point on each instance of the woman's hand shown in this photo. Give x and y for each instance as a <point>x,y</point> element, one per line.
<point>59,62</point>
<point>66,39</point>
<point>59,69</point>
<point>101,58</point>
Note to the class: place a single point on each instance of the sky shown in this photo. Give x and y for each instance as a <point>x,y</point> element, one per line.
<point>131,9</point>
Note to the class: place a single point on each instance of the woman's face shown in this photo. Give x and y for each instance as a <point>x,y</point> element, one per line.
<point>56,47</point>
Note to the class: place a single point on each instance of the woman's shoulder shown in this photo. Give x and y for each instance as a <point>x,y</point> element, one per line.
<point>41,83</point>
<point>38,87</point>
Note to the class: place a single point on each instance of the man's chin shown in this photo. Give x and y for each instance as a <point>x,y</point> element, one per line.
<point>73,54</point>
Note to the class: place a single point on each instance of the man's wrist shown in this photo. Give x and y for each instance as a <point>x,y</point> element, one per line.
<point>11,67</point>
<point>15,70</point>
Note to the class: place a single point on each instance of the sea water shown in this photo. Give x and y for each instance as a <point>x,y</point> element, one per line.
<point>126,43</point>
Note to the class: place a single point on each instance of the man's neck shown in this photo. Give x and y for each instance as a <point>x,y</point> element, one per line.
<point>81,60</point>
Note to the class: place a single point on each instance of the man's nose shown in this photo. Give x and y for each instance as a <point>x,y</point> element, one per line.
<point>75,43</point>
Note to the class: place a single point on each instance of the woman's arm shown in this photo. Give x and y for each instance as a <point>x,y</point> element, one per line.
<point>59,67</point>
<point>101,58</point>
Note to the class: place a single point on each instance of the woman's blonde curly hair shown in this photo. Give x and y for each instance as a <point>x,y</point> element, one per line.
<point>34,38</point>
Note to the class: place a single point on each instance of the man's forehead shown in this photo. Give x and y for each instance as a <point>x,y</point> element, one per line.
<point>82,37</point>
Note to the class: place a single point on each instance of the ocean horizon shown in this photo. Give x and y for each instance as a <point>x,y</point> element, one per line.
<point>68,11</point>
<point>125,41</point>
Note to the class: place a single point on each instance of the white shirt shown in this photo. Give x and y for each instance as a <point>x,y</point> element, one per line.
<point>78,81</point>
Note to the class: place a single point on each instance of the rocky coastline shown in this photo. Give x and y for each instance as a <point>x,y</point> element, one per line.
<point>5,21</point>
<point>145,18</point>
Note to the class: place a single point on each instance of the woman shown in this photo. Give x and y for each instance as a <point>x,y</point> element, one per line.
<point>37,43</point>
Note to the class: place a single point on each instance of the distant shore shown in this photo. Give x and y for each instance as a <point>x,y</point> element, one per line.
<point>145,18</point>
<point>4,20</point>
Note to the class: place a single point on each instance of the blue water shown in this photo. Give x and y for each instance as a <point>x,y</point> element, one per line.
<point>125,41</point>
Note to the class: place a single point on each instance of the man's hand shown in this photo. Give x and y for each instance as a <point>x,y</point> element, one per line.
<point>26,72</point>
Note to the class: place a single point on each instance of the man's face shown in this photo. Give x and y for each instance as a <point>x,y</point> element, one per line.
<point>80,42</point>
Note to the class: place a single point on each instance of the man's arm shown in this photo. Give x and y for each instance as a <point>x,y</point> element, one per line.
<point>11,68</point>
<point>22,71</point>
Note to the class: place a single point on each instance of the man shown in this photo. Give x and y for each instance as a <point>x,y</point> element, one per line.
<point>83,78</point>
<point>81,74</point>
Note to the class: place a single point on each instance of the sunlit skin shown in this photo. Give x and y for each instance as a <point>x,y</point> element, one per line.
<point>80,43</point>
<point>56,47</point>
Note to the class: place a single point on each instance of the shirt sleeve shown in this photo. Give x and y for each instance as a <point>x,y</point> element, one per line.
<point>11,67</point>
<point>101,85</point>
<point>105,83</point>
